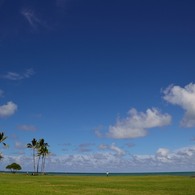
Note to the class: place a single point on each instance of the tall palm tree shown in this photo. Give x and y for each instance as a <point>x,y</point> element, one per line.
<point>44,152</point>
<point>41,146</point>
<point>33,145</point>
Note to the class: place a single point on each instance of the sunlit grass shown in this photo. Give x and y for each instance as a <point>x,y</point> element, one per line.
<point>89,185</point>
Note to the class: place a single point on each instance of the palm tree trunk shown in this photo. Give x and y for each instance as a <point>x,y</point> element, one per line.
<point>38,164</point>
<point>42,165</point>
<point>34,164</point>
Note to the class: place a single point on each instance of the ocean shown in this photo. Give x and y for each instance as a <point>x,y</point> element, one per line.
<point>123,174</point>
<point>190,174</point>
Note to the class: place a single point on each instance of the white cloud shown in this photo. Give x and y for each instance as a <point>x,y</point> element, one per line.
<point>165,160</point>
<point>162,155</point>
<point>185,98</point>
<point>117,151</point>
<point>8,109</point>
<point>25,127</point>
<point>136,123</point>
<point>162,152</point>
<point>19,76</point>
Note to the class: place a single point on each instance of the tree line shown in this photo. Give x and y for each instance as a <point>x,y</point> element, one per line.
<point>39,153</point>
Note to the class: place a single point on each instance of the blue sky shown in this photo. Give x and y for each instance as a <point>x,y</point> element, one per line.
<point>108,84</point>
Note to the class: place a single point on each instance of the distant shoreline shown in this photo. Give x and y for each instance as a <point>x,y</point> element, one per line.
<point>189,173</point>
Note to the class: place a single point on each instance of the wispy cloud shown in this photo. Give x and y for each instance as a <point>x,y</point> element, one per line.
<point>117,151</point>
<point>20,146</point>
<point>18,76</point>
<point>38,115</point>
<point>97,131</point>
<point>85,147</point>
<point>8,109</point>
<point>25,127</point>
<point>32,18</point>
<point>137,123</point>
<point>185,98</point>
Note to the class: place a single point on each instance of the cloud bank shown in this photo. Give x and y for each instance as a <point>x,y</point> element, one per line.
<point>163,159</point>
<point>8,109</point>
<point>185,98</point>
<point>137,123</point>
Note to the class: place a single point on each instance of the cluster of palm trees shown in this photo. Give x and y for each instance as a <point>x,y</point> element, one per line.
<point>40,152</point>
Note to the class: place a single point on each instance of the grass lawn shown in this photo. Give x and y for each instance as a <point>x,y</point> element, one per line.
<point>88,185</point>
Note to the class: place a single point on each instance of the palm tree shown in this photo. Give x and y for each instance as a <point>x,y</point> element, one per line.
<point>41,147</point>
<point>33,145</point>
<point>43,152</point>
<point>2,139</point>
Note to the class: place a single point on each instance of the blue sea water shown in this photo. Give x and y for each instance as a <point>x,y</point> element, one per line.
<point>123,174</point>
<point>190,174</point>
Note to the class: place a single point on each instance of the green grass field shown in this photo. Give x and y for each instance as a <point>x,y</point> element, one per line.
<point>89,185</point>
